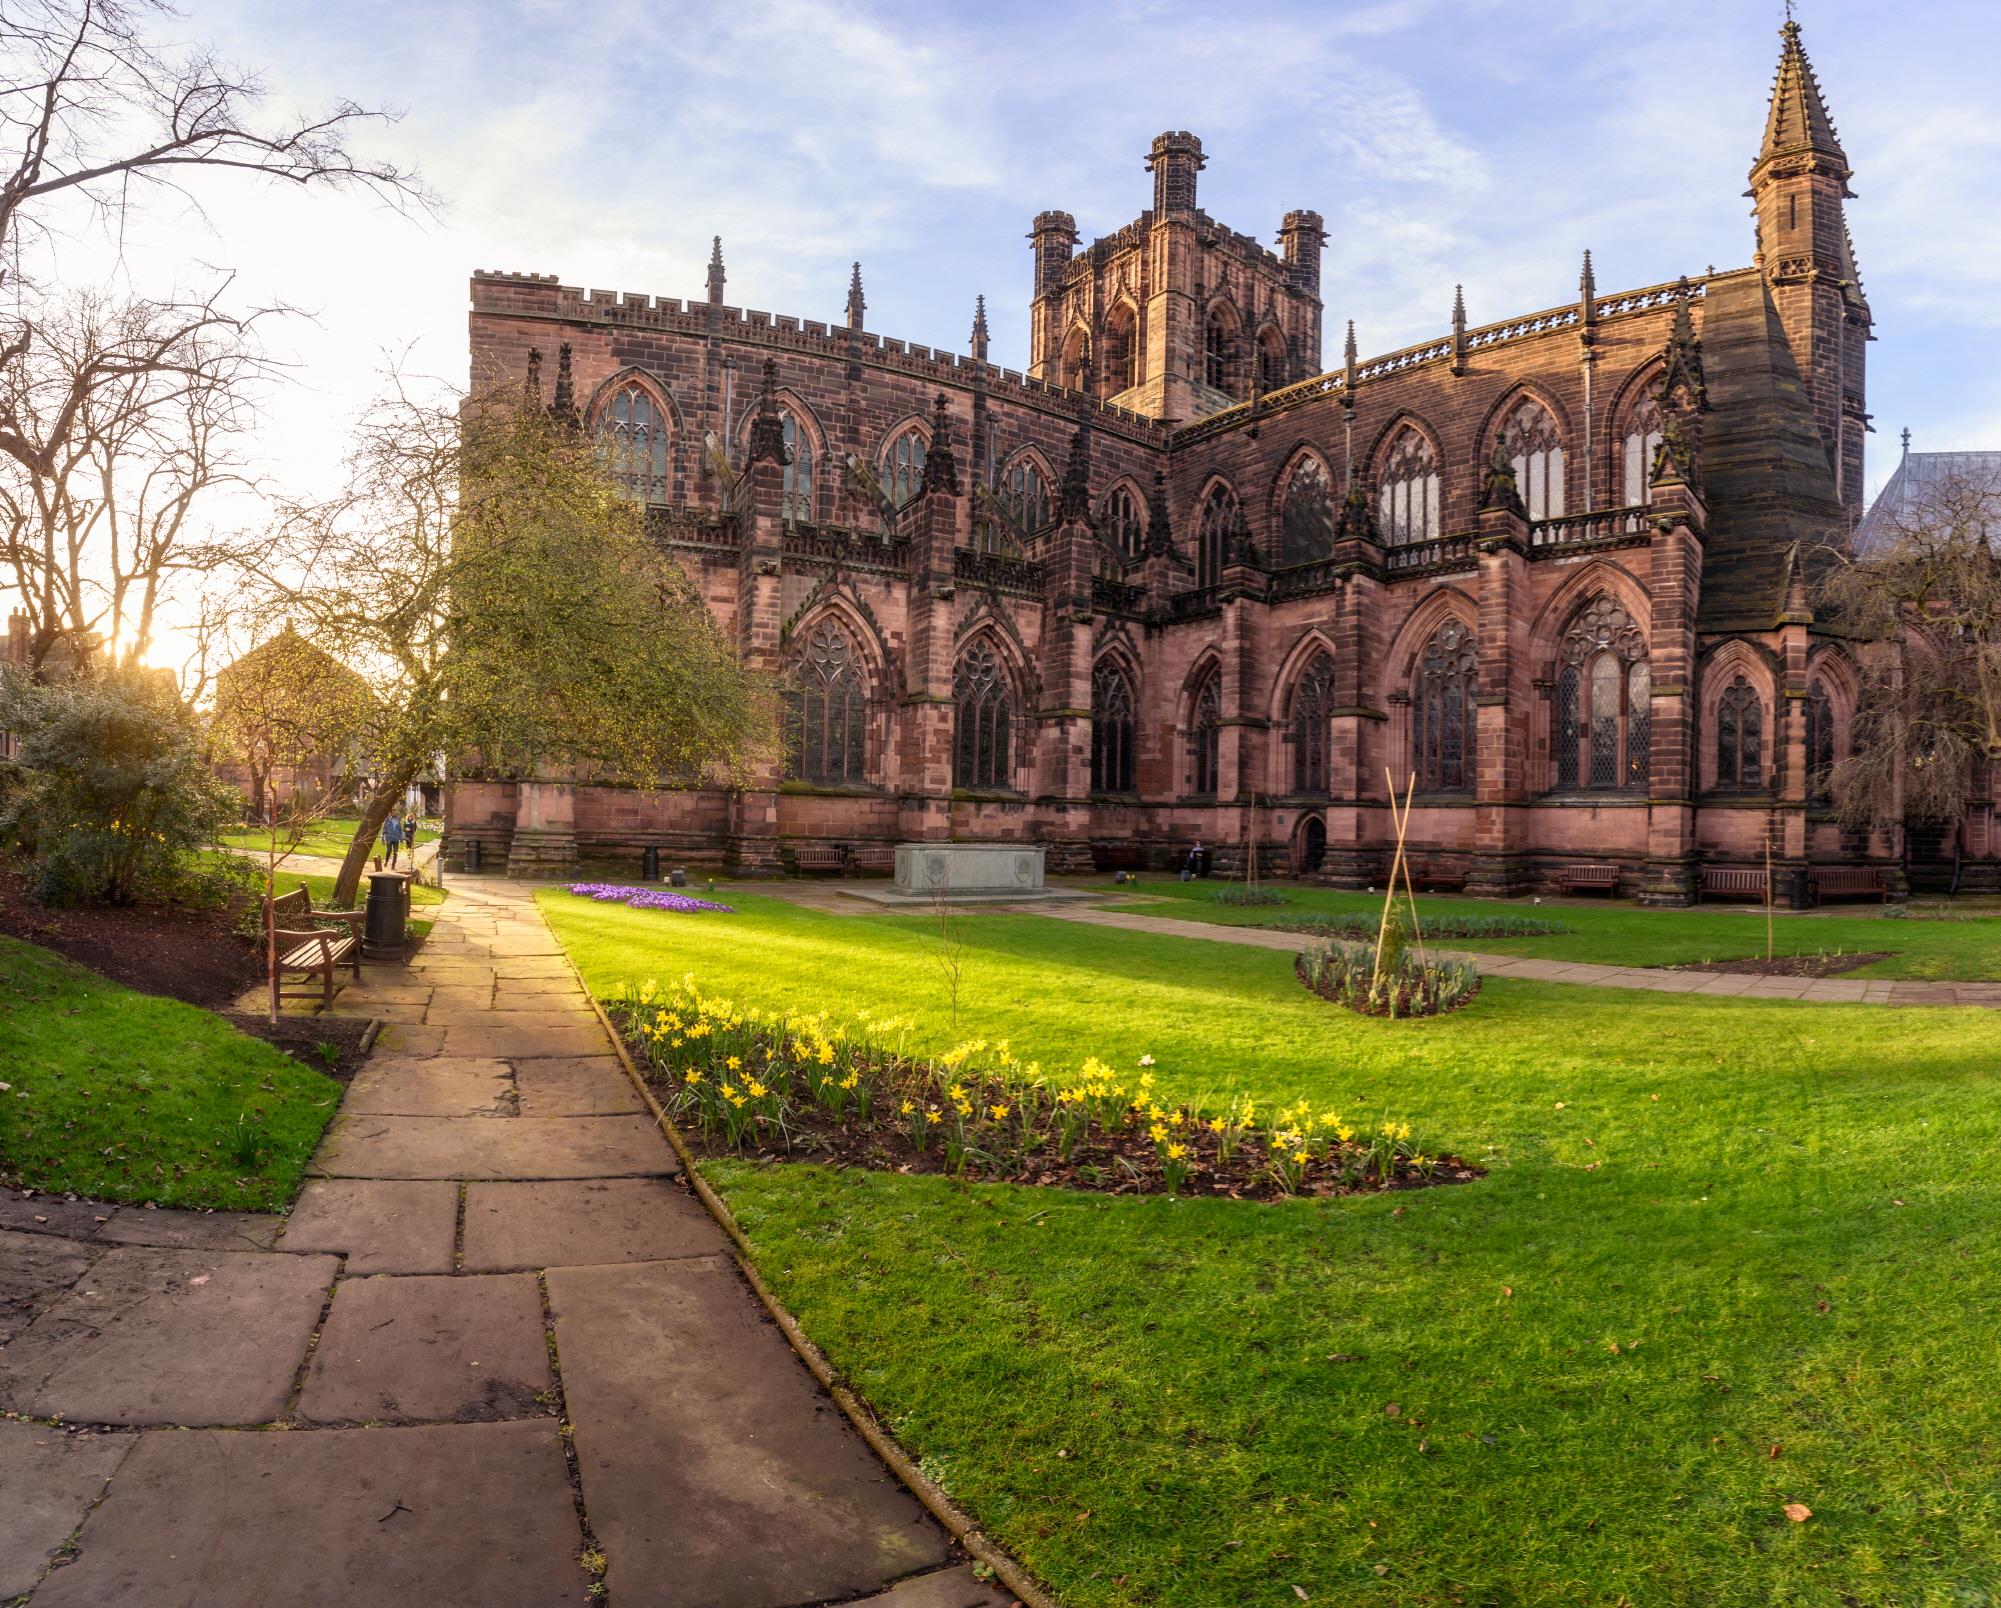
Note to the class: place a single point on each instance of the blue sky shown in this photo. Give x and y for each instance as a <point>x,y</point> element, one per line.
<point>1455,141</point>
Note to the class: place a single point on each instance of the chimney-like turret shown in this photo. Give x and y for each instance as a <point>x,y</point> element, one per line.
<point>1174,161</point>
<point>1054,236</point>
<point>1303,235</point>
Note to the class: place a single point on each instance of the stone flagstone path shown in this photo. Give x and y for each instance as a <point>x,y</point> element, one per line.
<point>495,1242</point>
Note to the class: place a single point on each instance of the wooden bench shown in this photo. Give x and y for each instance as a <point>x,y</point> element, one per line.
<point>311,943</point>
<point>873,857</point>
<point>1857,881</point>
<point>1437,871</point>
<point>1734,882</point>
<point>1126,856</point>
<point>820,857</point>
<point>1589,874</point>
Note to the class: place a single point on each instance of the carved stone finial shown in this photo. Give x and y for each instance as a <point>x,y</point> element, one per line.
<point>1358,516</point>
<point>767,429</point>
<point>941,464</point>
<point>1458,329</point>
<point>979,343</point>
<point>534,386</point>
<point>857,305</point>
<point>563,407</point>
<point>716,271</point>
<point>1500,489</point>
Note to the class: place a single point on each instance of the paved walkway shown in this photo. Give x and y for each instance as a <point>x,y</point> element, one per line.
<point>1820,990</point>
<point>495,1245</point>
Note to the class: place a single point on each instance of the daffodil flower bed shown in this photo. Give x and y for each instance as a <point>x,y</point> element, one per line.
<point>799,1087</point>
<point>646,898</point>
<point>1406,985</point>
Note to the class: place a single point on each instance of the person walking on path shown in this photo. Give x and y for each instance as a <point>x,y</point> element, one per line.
<point>392,837</point>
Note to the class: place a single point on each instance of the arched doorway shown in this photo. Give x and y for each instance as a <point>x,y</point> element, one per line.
<point>1309,845</point>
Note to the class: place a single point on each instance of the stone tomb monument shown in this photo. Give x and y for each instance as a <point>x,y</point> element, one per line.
<point>969,873</point>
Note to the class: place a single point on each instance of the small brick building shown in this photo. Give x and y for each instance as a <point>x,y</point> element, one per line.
<point>1174,583</point>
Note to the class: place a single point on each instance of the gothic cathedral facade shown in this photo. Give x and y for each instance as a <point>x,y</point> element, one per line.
<point>1172,582</point>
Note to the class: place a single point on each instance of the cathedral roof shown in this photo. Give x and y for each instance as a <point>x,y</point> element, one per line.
<point>1798,120</point>
<point>1917,474</point>
<point>1766,478</point>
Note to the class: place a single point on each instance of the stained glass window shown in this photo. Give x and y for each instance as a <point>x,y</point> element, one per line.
<point>1215,534</point>
<point>1602,723</point>
<point>1121,349</point>
<point>1206,739</point>
<point>1442,722</point>
<point>1025,496</point>
<point>1271,360</point>
<point>1216,344</point>
<point>1819,739</point>
<point>1740,734</point>
<point>826,716</point>
<point>796,498</point>
<point>1113,735</point>
<point>982,731</point>
<point>1306,523</point>
<point>1532,446</point>
<point>903,467</point>
<point>1642,441</point>
<point>632,431</point>
<point>1312,725</point>
<point>1407,490</point>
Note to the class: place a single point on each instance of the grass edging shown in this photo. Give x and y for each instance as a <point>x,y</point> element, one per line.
<point>958,1524</point>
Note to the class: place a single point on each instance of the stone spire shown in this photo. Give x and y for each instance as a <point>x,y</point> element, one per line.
<point>1797,121</point>
<point>941,464</point>
<point>1348,358</point>
<point>1458,329</point>
<point>1587,298</point>
<point>563,409</point>
<point>534,386</point>
<point>1682,386</point>
<point>767,430</point>
<point>857,305</point>
<point>716,272</point>
<point>979,346</point>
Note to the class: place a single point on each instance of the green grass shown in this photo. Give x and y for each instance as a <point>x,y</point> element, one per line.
<point>1781,1216</point>
<point>123,1096</point>
<point>328,838</point>
<point>1622,934</point>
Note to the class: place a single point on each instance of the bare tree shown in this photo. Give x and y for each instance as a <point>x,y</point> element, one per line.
<point>114,421</point>
<point>97,113</point>
<point>1925,598</point>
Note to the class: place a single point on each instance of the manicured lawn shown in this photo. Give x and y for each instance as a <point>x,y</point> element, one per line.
<point>1622,934</point>
<point>125,1096</point>
<point>1711,1229</point>
<point>328,838</point>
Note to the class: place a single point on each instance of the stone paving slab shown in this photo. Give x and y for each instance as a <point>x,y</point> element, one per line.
<point>383,1225</point>
<point>584,1223</point>
<point>716,1473</point>
<point>170,1337</point>
<point>512,1043</point>
<point>464,1516</point>
<point>193,1231</point>
<point>429,1350</point>
<point>48,1480</point>
<point>35,1271</point>
<point>431,1086</point>
<point>51,1214</point>
<point>403,1038</point>
<point>487,1147</point>
<point>531,1016</point>
<point>945,1588</point>
<point>575,1086</point>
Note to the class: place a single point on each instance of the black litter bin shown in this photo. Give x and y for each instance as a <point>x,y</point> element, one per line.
<point>472,854</point>
<point>388,915</point>
<point>649,863</point>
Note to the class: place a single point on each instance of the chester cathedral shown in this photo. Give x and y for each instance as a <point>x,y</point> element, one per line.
<point>1174,583</point>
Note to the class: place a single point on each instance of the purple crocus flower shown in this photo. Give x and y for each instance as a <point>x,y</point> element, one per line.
<point>646,898</point>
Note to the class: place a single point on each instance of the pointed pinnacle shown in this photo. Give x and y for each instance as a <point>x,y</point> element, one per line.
<point>857,305</point>
<point>1588,281</point>
<point>1458,306</point>
<point>1348,348</point>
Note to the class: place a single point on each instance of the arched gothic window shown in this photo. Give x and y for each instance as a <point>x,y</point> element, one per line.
<point>1531,445</point>
<point>903,467</point>
<point>826,716</point>
<point>1306,523</point>
<point>1025,496</point>
<point>1407,490</point>
<point>1125,524</point>
<point>1819,739</point>
<point>982,721</point>
<point>1740,737</point>
<point>1442,723</point>
<point>1205,737</point>
<point>1121,351</point>
<point>1070,366</point>
<point>1603,722</point>
<point>1113,734</point>
<point>1641,441</point>
<point>1271,360</point>
<point>1218,341</point>
<point>632,431</point>
<point>1312,725</point>
<point>796,499</point>
<point>1215,532</point>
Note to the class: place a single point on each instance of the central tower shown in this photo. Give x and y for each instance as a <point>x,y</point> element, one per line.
<point>1175,316</point>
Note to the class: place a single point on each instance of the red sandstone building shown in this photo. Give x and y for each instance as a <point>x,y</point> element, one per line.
<point>1172,582</point>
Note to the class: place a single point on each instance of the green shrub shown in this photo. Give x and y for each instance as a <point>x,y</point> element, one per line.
<point>1247,896</point>
<point>110,797</point>
<point>1403,985</point>
<point>1363,929</point>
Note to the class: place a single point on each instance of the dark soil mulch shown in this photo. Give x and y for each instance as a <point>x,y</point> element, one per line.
<point>1786,965</point>
<point>196,956</point>
<point>301,1037</point>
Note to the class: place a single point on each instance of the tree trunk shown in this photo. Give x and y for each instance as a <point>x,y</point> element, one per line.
<point>347,886</point>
